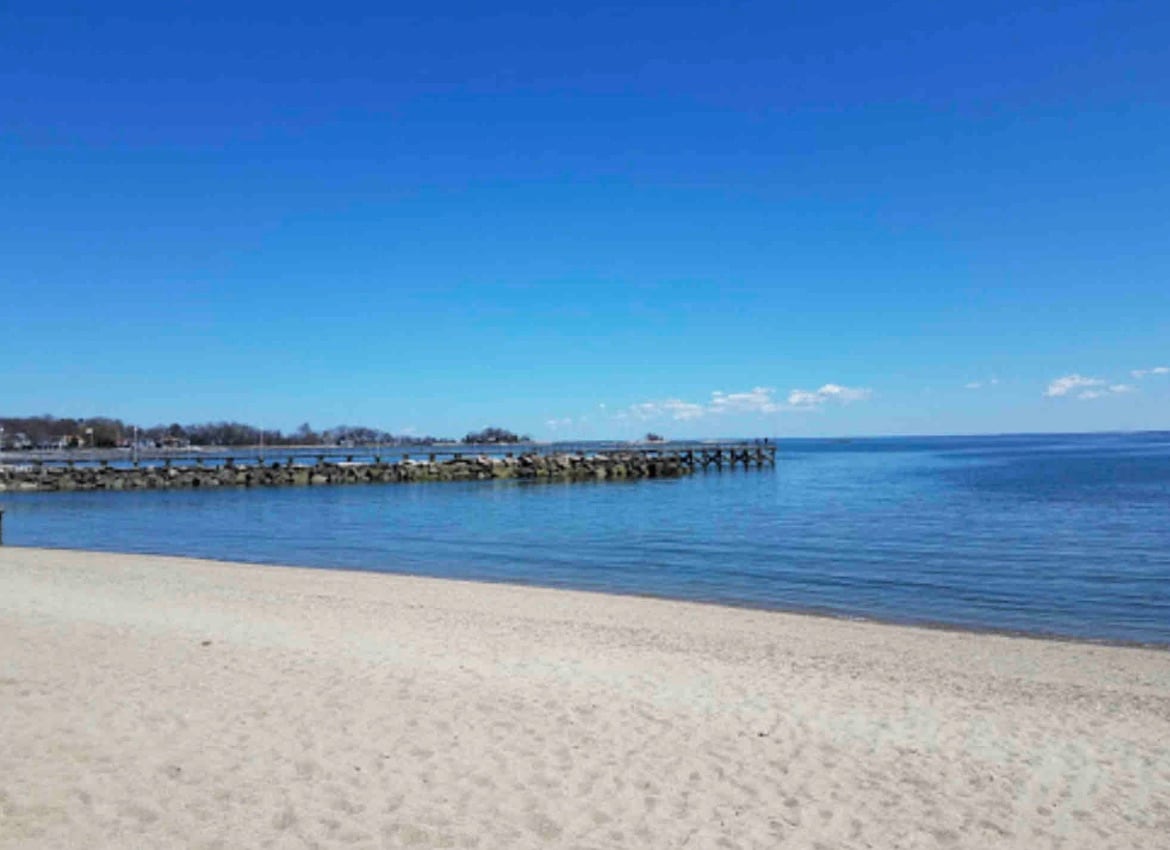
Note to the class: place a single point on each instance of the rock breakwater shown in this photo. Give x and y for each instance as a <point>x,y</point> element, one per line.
<point>551,467</point>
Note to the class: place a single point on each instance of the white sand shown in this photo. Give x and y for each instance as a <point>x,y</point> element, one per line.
<point>337,709</point>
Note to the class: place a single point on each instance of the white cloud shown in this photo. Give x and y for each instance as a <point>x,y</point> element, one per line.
<point>978,385</point>
<point>758,400</point>
<point>1069,383</point>
<point>674,407</point>
<point>1156,370</point>
<point>683,410</point>
<point>808,399</point>
<point>1084,388</point>
<point>563,422</point>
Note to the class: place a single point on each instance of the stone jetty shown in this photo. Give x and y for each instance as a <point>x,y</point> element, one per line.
<point>189,472</point>
<point>552,467</point>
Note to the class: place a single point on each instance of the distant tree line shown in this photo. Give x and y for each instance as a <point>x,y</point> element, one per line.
<point>495,435</point>
<point>103,432</point>
<point>43,431</point>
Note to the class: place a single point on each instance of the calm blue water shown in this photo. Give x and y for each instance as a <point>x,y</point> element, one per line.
<point>1064,535</point>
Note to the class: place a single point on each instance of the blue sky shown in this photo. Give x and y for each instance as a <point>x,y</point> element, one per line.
<point>697,219</point>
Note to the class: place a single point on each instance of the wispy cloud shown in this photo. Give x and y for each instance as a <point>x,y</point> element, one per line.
<point>811,399</point>
<point>563,422</point>
<point>673,407</point>
<point>758,400</point>
<point>1155,370</point>
<point>1112,389</point>
<point>1071,383</point>
<point>978,385</point>
<point>1084,388</point>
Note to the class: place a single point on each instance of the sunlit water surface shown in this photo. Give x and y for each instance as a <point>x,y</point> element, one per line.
<point>1061,535</point>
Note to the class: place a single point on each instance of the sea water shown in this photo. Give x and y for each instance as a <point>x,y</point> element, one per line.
<point>1063,535</point>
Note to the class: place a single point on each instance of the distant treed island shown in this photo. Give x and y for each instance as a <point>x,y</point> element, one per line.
<point>101,432</point>
<point>495,435</point>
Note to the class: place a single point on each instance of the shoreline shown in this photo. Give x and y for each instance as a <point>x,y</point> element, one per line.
<point>172,702</point>
<point>796,611</point>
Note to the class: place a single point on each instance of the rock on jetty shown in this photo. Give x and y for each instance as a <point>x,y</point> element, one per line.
<point>553,467</point>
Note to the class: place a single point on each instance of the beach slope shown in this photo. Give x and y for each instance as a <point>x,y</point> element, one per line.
<point>172,703</point>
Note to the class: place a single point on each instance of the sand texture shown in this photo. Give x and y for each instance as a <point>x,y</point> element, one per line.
<point>150,702</point>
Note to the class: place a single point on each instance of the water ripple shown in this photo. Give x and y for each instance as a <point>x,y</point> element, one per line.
<point>1058,535</point>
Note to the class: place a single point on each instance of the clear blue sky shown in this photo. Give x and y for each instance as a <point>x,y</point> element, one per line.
<point>699,219</point>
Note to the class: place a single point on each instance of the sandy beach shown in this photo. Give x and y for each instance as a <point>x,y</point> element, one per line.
<point>151,702</point>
